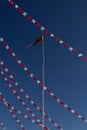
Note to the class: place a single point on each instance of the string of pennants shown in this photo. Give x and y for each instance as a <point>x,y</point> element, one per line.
<point>2,99</point>
<point>22,65</point>
<point>20,99</point>
<point>27,96</point>
<point>2,125</point>
<point>46,31</point>
<point>13,110</point>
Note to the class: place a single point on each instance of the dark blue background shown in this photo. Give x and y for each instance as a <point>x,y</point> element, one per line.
<point>65,73</point>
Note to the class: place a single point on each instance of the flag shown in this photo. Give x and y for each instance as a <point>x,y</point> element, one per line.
<point>38,40</point>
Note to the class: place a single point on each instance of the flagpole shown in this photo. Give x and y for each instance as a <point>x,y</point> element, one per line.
<point>38,40</point>
<point>43,63</point>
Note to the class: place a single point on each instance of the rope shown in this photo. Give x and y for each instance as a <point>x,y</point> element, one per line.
<point>27,96</point>
<point>46,31</point>
<point>22,65</point>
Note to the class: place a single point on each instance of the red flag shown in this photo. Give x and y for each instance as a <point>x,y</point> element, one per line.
<point>38,40</point>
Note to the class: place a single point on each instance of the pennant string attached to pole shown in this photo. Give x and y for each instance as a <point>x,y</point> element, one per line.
<point>19,98</point>
<point>22,65</point>
<point>46,31</point>
<point>41,84</point>
<point>26,95</point>
<point>15,110</point>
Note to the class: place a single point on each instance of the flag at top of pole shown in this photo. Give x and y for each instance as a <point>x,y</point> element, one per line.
<point>38,40</point>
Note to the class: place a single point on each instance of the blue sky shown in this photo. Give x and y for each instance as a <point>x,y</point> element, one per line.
<point>65,73</point>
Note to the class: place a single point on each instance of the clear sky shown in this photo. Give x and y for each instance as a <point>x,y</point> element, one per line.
<point>65,73</point>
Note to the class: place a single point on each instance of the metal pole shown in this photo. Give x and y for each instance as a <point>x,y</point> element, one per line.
<point>43,57</point>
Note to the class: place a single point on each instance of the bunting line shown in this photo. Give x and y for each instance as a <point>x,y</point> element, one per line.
<point>12,113</point>
<point>2,125</point>
<point>19,98</point>
<point>15,110</point>
<point>22,65</point>
<point>46,31</point>
<point>17,119</point>
<point>12,110</point>
<point>27,96</point>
